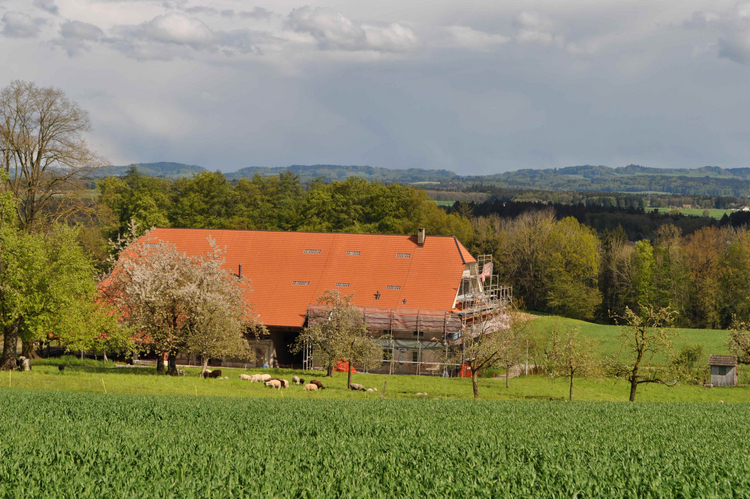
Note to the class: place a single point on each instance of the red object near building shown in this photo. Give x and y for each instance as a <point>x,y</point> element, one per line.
<point>342,366</point>
<point>465,371</point>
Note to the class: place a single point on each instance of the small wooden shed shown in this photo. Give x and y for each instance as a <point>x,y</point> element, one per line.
<point>723,370</point>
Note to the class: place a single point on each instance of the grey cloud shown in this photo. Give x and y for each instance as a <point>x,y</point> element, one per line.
<point>256,13</point>
<point>533,27</point>
<point>46,5</point>
<point>470,38</point>
<point>20,25</point>
<point>77,36</point>
<point>334,31</point>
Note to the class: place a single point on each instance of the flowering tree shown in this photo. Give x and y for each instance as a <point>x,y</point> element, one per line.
<point>181,303</point>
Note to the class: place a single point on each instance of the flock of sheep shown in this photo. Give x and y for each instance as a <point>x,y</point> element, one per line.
<point>277,383</point>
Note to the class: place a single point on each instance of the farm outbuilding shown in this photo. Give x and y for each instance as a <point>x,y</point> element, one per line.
<point>723,370</point>
<point>417,290</point>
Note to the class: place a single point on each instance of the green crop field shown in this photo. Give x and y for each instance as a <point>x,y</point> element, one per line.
<point>59,444</point>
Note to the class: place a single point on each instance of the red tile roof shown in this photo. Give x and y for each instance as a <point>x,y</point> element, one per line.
<point>279,264</point>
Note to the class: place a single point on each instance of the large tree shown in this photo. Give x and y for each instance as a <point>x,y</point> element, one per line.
<point>43,151</point>
<point>181,303</point>
<point>47,289</point>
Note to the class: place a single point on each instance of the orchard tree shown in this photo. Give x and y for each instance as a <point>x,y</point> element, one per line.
<point>495,338</point>
<point>181,303</point>
<point>43,151</point>
<point>339,332</point>
<point>571,355</point>
<point>643,336</point>
<point>739,340</point>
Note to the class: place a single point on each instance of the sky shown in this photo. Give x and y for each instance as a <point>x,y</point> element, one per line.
<point>475,87</point>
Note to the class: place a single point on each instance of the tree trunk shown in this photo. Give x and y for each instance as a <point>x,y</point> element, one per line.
<point>571,387</point>
<point>10,343</point>
<point>205,366</point>
<point>349,378</point>
<point>507,376</point>
<point>172,360</point>
<point>474,384</point>
<point>28,349</point>
<point>633,386</point>
<point>329,374</point>
<point>159,362</point>
<point>105,357</point>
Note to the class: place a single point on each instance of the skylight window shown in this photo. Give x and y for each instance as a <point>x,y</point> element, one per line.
<point>352,253</point>
<point>403,255</point>
<point>300,283</point>
<point>393,287</point>
<point>312,251</point>
<point>342,284</point>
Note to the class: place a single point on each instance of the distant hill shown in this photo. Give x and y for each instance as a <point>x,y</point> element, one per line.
<point>162,169</point>
<point>339,172</point>
<point>707,180</point>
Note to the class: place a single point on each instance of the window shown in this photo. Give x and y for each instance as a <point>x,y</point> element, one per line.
<point>415,356</point>
<point>415,333</point>
<point>342,284</point>
<point>311,251</point>
<point>300,283</point>
<point>352,253</point>
<point>466,288</point>
<point>393,287</point>
<point>403,255</point>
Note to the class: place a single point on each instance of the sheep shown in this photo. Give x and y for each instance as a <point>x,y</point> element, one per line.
<point>357,386</point>
<point>61,367</point>
<point>246,377</point>
<point>180,372</point>
<point>295,379</point>
<point>284,383</point>
<point>212,374</point>
<point>311,388</point>
<point>318,384</point>
<point>372,389</point>
<point>421,394</point>
<point>265,377</point>
<point>274,383</point>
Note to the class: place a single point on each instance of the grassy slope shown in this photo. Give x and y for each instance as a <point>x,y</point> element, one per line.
<point>143,381</point>
<point>698,212</point>
<point>713,340</point>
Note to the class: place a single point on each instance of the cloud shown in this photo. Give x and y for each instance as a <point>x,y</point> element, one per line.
<point>46,5</point>
<point>702,19</point>
<point>76,36</point>
<point>734,42</point>
<point>533,27</point>
<point>332,30</point>
<point>19,25</point>
<point>256,13</point>
<point>175,35</point>
<point>466,37</point>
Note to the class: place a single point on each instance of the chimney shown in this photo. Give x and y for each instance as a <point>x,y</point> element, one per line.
<point>421,234</point>
<point>239,274</point>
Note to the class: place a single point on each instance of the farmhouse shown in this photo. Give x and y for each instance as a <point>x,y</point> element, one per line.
<point>418,289</point>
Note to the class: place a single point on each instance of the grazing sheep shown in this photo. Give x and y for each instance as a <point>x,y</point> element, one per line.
<point>274,383</point>
<point>61,367</point>
<point>295,379</point>
<point>212,374</point>
<point>284,383</point>
<point>180,372</point>
<point>311,388</point>
<point>246,377</point>
<point>318,384</point>
<point>265,377</point>
<point>357,386</point>
<point>372,389</point>
<point>421,394</point>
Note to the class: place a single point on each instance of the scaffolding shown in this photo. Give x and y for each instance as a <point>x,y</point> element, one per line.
<point>424,341</point>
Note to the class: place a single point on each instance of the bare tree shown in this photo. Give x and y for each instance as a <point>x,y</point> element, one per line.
<point>494,339</point>
<point>181,303</point>
<point>43,150</point>
<point>643,336</point>
<point>571,355</point>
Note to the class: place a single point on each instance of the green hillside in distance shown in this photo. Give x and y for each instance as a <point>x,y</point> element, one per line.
<point>705,181</point>
<point>161,169</point>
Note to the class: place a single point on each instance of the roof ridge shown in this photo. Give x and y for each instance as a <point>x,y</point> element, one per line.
<point>299,232</point>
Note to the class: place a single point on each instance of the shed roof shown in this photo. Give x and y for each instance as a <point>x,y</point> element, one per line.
<point>722,360</point>
<point>289,270</point>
